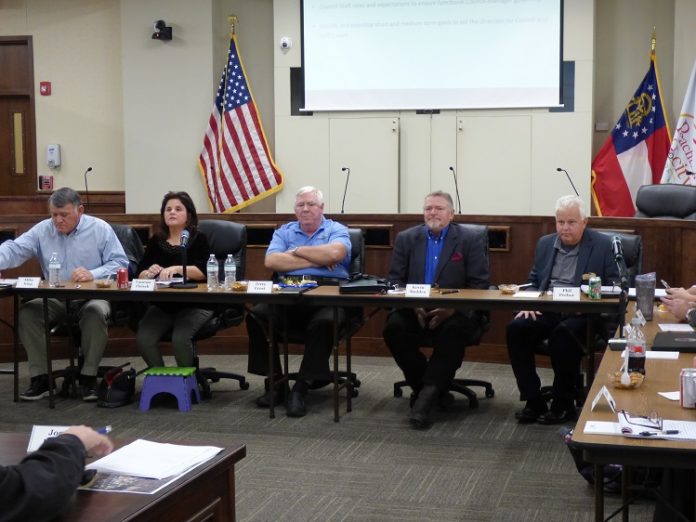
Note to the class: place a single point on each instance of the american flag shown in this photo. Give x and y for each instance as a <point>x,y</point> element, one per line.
<point>235,162</point>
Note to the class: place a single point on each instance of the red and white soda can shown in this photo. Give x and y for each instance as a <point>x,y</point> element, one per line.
<point>122,278</point>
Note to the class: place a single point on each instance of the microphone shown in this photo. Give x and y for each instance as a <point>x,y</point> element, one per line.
<point>456,188</point>
<point>345,190</point>
<point>559,169</point>
<point>617,248</point>
<point>185,235</point>
<point>89,169</point>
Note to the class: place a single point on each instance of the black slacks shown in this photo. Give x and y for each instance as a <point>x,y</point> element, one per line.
<point>566,336</point>
<point>315,326</point>
<point>404,337</point>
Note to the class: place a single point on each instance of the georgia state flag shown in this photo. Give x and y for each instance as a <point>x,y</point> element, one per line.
<point>634,153</point>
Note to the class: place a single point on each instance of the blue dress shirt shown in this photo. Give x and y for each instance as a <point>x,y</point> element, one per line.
<point>432,253</point>
<point>291,235</point>
<point>92,245</point>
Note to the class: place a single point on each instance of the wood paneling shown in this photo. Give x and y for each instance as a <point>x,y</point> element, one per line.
<point>668,251</point>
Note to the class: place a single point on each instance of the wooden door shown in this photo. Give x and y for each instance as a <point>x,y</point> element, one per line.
<point>17,127</point>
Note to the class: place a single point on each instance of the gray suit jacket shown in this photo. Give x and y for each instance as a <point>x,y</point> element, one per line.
<point>595,256</point>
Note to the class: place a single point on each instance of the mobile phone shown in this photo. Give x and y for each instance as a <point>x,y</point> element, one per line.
<point>665,284</point>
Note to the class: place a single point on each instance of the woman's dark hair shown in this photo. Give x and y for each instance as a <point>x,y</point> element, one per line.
<point>191,222</point>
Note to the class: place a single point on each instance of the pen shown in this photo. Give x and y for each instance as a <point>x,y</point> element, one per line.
<point>449,292</point>
<point>104,430</point>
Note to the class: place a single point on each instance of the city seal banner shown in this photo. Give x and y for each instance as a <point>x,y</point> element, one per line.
<point>680,167</point>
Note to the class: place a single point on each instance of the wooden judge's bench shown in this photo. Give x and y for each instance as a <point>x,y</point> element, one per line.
<point>669,248</point>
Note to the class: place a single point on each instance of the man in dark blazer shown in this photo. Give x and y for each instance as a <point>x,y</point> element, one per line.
<point>441,253</point>
<point>561,259</point>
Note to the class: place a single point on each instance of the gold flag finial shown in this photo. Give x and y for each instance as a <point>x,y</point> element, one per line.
<point>653,40</point>
<point>232,20</point>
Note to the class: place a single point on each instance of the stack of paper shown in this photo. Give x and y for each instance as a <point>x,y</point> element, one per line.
<point>143,458</point>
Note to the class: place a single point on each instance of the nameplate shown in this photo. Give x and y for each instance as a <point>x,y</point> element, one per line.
<point>417,290</point>
<point>28,282</point>
<point>260,287</point>
<point>40,433</point>
<point>603,393</point>
<point>143,285</point>
<point>566,293</point>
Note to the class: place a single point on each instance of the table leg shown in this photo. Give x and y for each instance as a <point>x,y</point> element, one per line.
<point>49,368</point>
<point>16,348</point>
<point>599,492</point>
<point>335,362</point>
<point>625,491</point>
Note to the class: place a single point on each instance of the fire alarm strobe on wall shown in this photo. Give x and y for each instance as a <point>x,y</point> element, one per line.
<point>162,31</point>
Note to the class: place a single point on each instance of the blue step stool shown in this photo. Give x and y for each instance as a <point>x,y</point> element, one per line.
<point>177,381</point>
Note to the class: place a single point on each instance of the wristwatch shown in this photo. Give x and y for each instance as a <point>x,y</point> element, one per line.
<point>690,317</point>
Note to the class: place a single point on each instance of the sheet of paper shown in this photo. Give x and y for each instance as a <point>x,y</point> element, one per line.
<point>635,426</point>
<point>662,355</point>
<point>675,327</point>
<point>143,458</point>
<point>168,282</point>
<point>602,428</point>
<point>672,396</point>
<point>527,294</point>
<point>659,292</point>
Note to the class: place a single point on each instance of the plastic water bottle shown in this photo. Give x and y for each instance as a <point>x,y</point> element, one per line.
<point>53,270</point>
<point>636,347</point>
<point>212,269</point>
<point>230,272</point>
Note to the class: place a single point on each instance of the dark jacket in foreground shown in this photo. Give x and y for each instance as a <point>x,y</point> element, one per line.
<point>42,485</point>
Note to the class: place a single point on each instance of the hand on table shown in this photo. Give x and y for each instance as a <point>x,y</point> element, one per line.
<point>81,275</point>
<point>528,314</point>
<point>93,442</point>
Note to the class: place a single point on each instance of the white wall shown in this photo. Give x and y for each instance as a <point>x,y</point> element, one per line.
<point>505,159</point>
<point>76,47</point>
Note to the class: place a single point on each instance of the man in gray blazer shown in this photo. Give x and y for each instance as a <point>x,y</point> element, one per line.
<point>441,253</point>
<point>561,259</point>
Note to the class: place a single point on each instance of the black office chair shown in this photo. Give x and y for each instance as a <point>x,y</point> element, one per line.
<point>224,237</point>
<point>354,321</point>
<point>122,313</point>
<point>632,246</point>
<point>463,385</point>
<point>668,201</point>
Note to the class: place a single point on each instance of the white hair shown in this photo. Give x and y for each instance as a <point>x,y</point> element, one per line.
<point>309,190</point>
<point>568,202</point>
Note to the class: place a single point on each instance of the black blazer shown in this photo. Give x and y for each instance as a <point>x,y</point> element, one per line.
<point>595,256</point>
<point>463,263</point>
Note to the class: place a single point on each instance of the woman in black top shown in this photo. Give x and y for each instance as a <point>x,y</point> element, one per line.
<point>162,260</point>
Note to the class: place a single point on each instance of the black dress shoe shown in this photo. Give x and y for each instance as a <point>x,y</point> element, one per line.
<point>264,401</point>
<point>531,412</point>
<point>558,416</point>
<point>296,405</point>
<point>420,413</point>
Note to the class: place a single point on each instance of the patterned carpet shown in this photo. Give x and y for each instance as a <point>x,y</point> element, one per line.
<point>472,465</point>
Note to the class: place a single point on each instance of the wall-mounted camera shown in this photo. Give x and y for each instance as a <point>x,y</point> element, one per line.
<point>162,31</point>
<point>285,43</point>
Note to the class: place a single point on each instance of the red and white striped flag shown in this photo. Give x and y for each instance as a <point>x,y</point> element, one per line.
<point>235,162</point>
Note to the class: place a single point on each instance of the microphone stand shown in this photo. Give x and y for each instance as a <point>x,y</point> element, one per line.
<point>184,283</point>
<point>623,296</point>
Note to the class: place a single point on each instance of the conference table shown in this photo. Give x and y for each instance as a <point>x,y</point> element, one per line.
<point>330,296</point>
<point>70,291</point>
<point>661,376</point>
<point>460,299</point>
<point>205,493</point>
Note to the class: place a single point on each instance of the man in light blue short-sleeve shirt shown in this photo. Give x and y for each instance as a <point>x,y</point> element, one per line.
<point>319,248</point>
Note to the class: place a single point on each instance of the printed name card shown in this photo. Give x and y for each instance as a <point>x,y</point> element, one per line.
<point>260,287</point>
<point>28,282</point>
<point>566,293</point>
<point>417,290</point>
<point>143,285</point>
<point>40,433</point>
<point>604,393</point>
